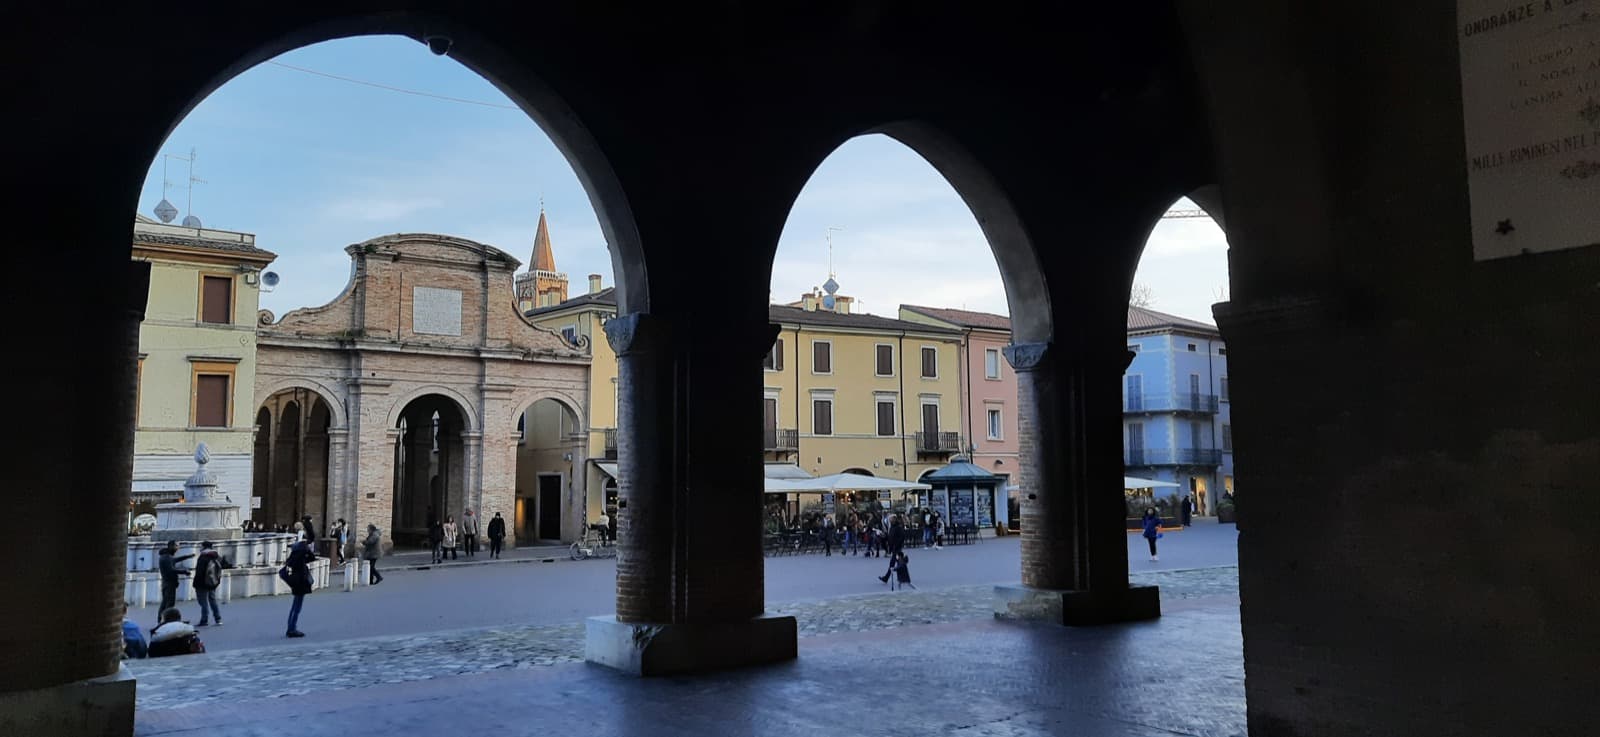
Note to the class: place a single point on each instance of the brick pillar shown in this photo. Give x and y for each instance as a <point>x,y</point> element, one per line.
<point>647,432</point>
<point>1074,543</point>
<point>689,567</point>
<point>59,669</point>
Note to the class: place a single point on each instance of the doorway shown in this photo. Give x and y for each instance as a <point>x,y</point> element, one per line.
<point>549,506</point>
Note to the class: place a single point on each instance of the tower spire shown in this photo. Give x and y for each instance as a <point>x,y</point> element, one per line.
<point>544,256</point>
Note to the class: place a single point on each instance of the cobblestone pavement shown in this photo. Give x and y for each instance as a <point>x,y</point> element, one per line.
<point>289,670</point>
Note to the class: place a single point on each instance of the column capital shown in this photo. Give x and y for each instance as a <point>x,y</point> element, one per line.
<point>1027,356</point>
<point>637,333</point>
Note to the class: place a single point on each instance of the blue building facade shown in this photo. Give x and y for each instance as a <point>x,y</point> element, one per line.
<point>1175,419</point>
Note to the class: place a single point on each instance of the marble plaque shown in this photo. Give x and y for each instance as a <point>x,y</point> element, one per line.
<point>435,311</point>
<point>1530,97</point>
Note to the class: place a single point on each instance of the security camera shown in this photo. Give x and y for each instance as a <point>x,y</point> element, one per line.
<point>439,45</point>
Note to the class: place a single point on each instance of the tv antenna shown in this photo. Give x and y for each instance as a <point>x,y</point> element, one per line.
<point>166,214</point>
<point>829,232</point>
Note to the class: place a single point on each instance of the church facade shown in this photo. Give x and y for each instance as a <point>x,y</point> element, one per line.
<point>415,394</point>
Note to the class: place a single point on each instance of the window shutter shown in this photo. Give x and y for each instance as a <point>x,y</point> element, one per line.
<point>930,363</point>
<point>886,418</point>
<point>211,401</point>
<point>885,360</point>
<point>216,300</point>
<point>930,422</point>
<point>821,358</point>
<point>822,417</point>
<point>778,357</point>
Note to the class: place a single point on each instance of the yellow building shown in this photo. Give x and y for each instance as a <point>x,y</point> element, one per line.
<point>581,320</point>
<point>197,359</point>
<point>861,393</point>
<point>842,391</point>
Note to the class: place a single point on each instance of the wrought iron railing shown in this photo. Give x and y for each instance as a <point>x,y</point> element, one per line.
<point>611,444</point>
<point>775,439</point>
<point>1178,402</point>
<point>938,442</point>
<point>1172,457</point>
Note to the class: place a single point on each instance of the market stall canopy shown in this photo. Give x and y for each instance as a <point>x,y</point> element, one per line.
<point>861,482</point>
<point>786,471</point>
<point>1129,482</point>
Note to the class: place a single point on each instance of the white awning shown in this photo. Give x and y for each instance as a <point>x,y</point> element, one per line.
<point>841,482</point>
<point>1129,482</point>
<point>609,469</point>
<point>786,471</point>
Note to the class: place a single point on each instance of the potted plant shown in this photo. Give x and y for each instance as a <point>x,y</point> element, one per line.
<point>1225,512</point>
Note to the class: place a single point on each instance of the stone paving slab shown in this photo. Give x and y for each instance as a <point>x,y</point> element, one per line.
<point>301,668</point>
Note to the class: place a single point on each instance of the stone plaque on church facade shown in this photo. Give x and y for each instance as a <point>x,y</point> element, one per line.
<point>1530,96</point>
<point>435,311</point>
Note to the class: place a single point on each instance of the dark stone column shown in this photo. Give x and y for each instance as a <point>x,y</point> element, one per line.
<point>1074,547</point>
<point>689,564</point>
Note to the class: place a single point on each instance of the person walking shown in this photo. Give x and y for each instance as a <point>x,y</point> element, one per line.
<point>300,582</point>
<point>371,551</point>
<point>827,535</point>
<point>895,544</point>
<point>938,531</point>
<point>341,538</point>
<point>207,577</point>
<point>436,540</point>
<point>311,530</point>
<point>901,565</point>
<point>469,532</point>
<point>927,528</point>
<point>1152,530</point>
<point>1188,509</point>
<point>167,561</point>
<point>497,534</point>
<point>449,538</point>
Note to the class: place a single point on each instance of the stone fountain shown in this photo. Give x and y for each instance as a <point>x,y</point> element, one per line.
<point>207,515</point>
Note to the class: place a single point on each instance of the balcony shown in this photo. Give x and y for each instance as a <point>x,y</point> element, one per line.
<point>774,440</point>
<point>1180,402</point>
<point>611,444</point>
<point>933,443</point>
<point>1172,457</point>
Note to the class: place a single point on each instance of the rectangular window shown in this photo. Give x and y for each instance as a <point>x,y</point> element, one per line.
<point>930,422</point>
<point>774,359</point>
<point>991,363</point>
<point>1135,399</point>
<point>885,359</point>
<point>822,416</point>
<point>821,357</point>
<point>1191,348</point>
<point>570,333</point>
<point>1135,444</point>
<point>211,400</point>
<point>769,423</point>
<point>1195,436</point>
<point>930,362</point>
<point>1224,389</point>
<point>1222,351</point>
<point>885,418</point>
<point>216,299</point>
<point>1227,438</point>
<point>995,430</point>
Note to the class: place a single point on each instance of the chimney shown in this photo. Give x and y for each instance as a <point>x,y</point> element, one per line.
<point>594,283</point>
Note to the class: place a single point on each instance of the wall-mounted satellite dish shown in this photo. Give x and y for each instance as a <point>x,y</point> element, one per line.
<point>269,279</point>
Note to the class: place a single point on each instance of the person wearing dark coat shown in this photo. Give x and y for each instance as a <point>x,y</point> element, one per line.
<point>371,551</point>
<point>497,535</point>
<point>167,561</point>
<point>895,544</point>
<point>300,582</point>
<point>1188,510</point>
<point>311,530</point>
<point>1152,530</point>
<point>436,539</point>
<point>208,570</point>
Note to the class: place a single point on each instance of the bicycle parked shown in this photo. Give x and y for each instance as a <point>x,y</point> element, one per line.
<point>594,544</point>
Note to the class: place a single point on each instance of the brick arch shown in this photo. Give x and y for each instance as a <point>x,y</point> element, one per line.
<point>329,397</point>
<point>469,410</point>
<point>470,46</point>
<point>527,401</point>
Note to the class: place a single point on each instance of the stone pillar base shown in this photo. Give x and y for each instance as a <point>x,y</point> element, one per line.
<point>98,706</point>
<point>1077,608</point>
<point>670,649</point>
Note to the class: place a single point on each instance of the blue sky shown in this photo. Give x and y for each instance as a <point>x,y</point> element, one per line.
<point>311,164</point>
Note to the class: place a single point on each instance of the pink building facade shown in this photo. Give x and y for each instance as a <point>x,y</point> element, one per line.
<point>988,391</point>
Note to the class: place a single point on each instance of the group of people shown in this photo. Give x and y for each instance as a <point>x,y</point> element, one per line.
<point>446,536</point>
<point>870,531</point>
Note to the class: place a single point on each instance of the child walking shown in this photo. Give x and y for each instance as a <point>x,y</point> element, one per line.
<point>902,572</point>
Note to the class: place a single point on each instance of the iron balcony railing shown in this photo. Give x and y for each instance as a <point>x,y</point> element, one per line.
<point>611,444</point>
<point>938,442</point>
<point>1172,457</point>
<point>1180,402</point>
<point>774,439</point>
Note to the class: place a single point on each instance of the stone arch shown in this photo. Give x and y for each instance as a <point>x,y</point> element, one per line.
<point>1027,293</point>
<point>526,402</point>
<point>329,397</point>
<point>468,46</point>
<point>466,406</point>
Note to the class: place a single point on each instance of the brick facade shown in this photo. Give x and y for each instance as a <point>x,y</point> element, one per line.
<point>388,340</point>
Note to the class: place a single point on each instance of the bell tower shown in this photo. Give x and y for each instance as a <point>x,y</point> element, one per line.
<point>541,285</point>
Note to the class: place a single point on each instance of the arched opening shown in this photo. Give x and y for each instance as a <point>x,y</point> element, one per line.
<point>429,466</point>
<point>550,475</point>
<point>894,288</point>
<point>1177,418</point>
<point>291,461</point>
